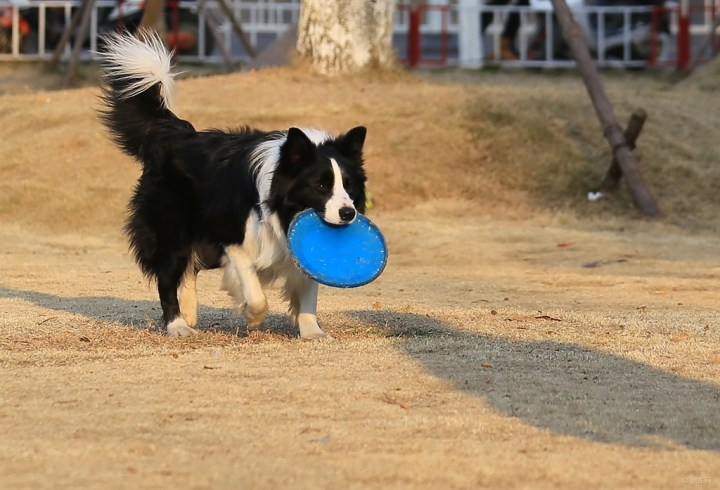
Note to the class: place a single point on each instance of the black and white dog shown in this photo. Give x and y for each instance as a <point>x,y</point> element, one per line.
<point>212,198</point>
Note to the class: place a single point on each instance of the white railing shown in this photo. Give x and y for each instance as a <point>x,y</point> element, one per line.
<point>262,22</point>
<point>537,41</point>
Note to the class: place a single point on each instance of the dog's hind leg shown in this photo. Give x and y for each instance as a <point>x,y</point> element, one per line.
<point>241,281</point>
<point>188,295</point>
<point>170,271</point>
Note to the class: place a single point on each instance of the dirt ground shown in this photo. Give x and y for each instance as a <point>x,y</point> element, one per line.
<point>520,337</point>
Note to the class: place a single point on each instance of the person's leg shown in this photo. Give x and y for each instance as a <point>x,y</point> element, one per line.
<point>508,51</point>
<point>487,17</point>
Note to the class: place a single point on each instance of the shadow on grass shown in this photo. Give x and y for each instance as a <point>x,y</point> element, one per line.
<point>146,314</point>
<point>565,388</point>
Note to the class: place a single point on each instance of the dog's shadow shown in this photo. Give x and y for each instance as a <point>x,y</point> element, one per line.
<point>146,314</point>
<point>566,388</point>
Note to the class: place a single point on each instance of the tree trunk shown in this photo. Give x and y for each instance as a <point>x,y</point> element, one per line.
<point>345,36</point>
<point>153,17</point>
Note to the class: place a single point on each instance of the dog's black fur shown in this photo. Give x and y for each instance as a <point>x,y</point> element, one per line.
<point>199,189</point>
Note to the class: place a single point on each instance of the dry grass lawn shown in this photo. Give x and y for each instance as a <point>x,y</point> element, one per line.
<point>520,337</point>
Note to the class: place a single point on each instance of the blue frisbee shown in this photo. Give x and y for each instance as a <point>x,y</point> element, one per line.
<point>342,256</point>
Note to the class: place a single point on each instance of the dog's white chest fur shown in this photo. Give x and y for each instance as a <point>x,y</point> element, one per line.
<point>261,260</point>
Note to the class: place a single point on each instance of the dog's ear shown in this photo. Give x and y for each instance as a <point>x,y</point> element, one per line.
<point>297,148</point>
<point>351,143</point>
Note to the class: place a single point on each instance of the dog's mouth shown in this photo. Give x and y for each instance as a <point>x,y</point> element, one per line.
<point>343,217</point>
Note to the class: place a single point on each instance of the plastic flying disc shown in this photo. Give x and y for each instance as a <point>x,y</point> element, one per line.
<point>342,256</point>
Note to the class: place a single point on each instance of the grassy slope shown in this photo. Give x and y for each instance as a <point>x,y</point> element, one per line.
<point>510,144</point>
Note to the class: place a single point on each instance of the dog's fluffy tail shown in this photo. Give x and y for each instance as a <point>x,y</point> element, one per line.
<point>137,98</point>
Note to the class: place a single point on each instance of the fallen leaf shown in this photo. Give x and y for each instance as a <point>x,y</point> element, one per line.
<point>547,317</point>
<point>486,364</point>
<point>679,337</point>
<point>377,305</point>
<point>493,312</point>
<point>387,398</point>
<point>564,244</point>
<point>84,339</point>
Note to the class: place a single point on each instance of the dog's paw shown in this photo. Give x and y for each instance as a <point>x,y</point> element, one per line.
<point>255,314</point>
<point>309,328</point>
<point>316,336</point>
<point>180,328</point>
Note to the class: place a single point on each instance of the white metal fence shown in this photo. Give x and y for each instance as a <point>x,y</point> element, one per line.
<point>616,35</point>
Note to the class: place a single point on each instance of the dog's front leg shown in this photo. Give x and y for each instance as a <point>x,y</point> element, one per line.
<point>187,293</point>
<point>242,282</point>
<point>304,302</point>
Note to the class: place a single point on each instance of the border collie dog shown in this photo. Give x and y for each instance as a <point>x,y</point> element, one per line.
<point>213,198</point>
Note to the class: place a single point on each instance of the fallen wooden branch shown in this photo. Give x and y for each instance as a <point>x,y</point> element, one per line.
<point>67,33</point>
<point>612,131</point>
<point>219,41</point>
<point>237,28</point>
<point>80,35</point>
<point>614,172</point>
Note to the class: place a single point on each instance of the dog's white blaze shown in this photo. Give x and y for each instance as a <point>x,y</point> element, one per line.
<point>145,63</point>
<point>265,157</point>
<point>340,198</point>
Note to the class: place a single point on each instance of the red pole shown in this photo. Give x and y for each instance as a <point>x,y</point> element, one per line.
<point>654,36</point>
<point>413,56</point>
<point>120,27</point>
<point>683,39</point>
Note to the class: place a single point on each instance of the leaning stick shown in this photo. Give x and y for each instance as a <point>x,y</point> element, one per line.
<point>614,173</point>
<point>80,35</point>
<point>612,131</point>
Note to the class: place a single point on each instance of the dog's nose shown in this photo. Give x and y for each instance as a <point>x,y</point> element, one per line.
<point>347,214</point>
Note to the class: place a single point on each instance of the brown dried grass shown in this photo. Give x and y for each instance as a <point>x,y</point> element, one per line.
<point>511,145</point>
<point>520,337</point>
